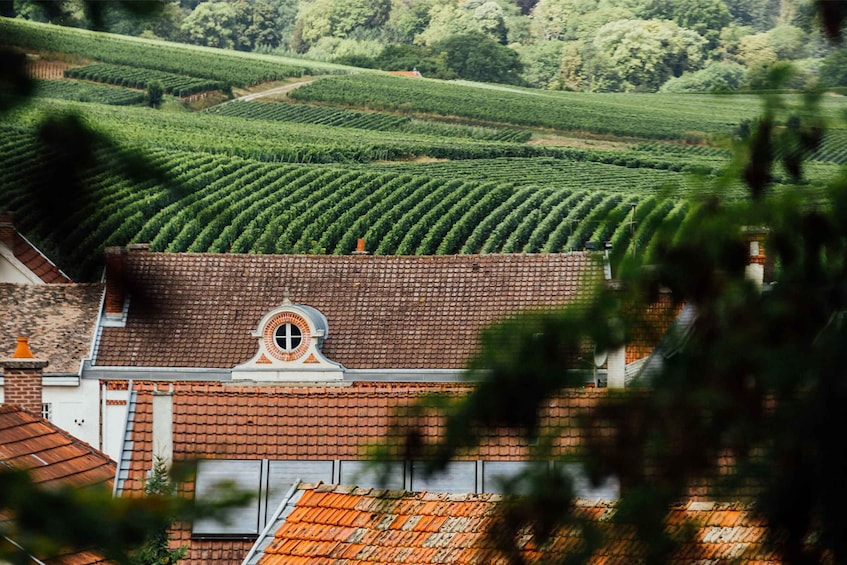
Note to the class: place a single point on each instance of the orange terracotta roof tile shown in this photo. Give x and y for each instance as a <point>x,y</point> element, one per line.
<point>58,319</point>
<point>382,539</point>
<point>383,311</point>
<point>53,458</point>
<point>77,558</point>
<point>209,422</point>
<point>215,420</point>
<point>51,455</point>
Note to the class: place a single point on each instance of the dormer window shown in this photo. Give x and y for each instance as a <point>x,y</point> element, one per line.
<point>288,336</point>
<point>289,347</point>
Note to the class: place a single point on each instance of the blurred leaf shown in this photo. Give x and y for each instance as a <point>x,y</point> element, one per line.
<point>15,85</point>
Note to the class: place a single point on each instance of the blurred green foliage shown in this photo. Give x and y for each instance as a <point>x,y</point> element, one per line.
<point>747,406</point>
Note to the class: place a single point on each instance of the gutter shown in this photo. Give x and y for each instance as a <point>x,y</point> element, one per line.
<point>117,486</point>
<point>20,547</point>
<point>90,371</point>
<point>98,328</point>
<point>122,373</point>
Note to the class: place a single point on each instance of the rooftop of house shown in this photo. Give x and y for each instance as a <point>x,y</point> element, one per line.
<point>331,525</point>
<point>59,320</point>
<point>309,429</point>
<point>383,312</point>
<point>53,458</point>
<point>27,259</point>
<point>221,421</point>
<point>78,558</point>
<point>51,455</point>
<point>414,73</point>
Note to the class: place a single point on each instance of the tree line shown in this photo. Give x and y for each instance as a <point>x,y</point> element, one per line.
<point>590,45</point>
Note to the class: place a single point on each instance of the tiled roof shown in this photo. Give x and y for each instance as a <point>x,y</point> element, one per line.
<point>197,310</point>
<point>53,458</point>
<point>51,455</point>
<point>78,558</point>
<point>58,319</point>
<point>215,420</point>
<point>28,254</point>
<point>332,525</point>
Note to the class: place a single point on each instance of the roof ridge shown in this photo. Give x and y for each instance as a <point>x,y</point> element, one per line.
<point>140,250</point>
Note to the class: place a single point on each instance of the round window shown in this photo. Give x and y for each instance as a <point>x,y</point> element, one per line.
<point>288,337</point>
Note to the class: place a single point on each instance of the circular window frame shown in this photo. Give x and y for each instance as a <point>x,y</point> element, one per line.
<point>270,336</point>
<point>291,336</point>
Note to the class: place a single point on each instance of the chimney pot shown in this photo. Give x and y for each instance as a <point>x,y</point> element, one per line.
<point>360,247</point>
<point>22,350</point>
<point>759,267</point>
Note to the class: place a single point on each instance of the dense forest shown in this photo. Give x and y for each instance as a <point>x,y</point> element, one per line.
<point>581,45</point>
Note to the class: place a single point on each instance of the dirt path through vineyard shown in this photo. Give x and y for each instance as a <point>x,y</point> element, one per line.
<point>284,89</point>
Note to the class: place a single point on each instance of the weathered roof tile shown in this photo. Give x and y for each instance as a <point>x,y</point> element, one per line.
<point>384,540</point>
<point>25,252</point>
<point>58,319</point>
<point>383,311</point>
<point>50,454</point>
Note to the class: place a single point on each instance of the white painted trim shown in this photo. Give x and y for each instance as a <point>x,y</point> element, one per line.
<point>163,426</point>
<point>265,365</point>
<point>46,258</point>
<point>116,485</point>
<point>98,328</point>
<point>7,254</point>
<point>51,381</point>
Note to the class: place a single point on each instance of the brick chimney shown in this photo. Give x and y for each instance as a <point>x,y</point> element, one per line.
<point>7,229</point>
<point>22,378</point>
<point>115,284</point>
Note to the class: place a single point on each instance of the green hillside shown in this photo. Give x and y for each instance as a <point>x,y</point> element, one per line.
<point>413,166</point>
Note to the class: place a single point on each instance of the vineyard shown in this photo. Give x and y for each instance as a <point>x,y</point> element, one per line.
<point>664,116</point>
<point>220,203</point>
<point>412,166</point>
<point>135,77</point>
<point>237,69</point>
<point>85,92</point>
<point>307,143</point>
<point>339,117</point>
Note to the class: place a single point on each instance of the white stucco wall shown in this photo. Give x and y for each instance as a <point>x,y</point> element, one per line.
<point>114,422</point>
<point>76,409</point>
